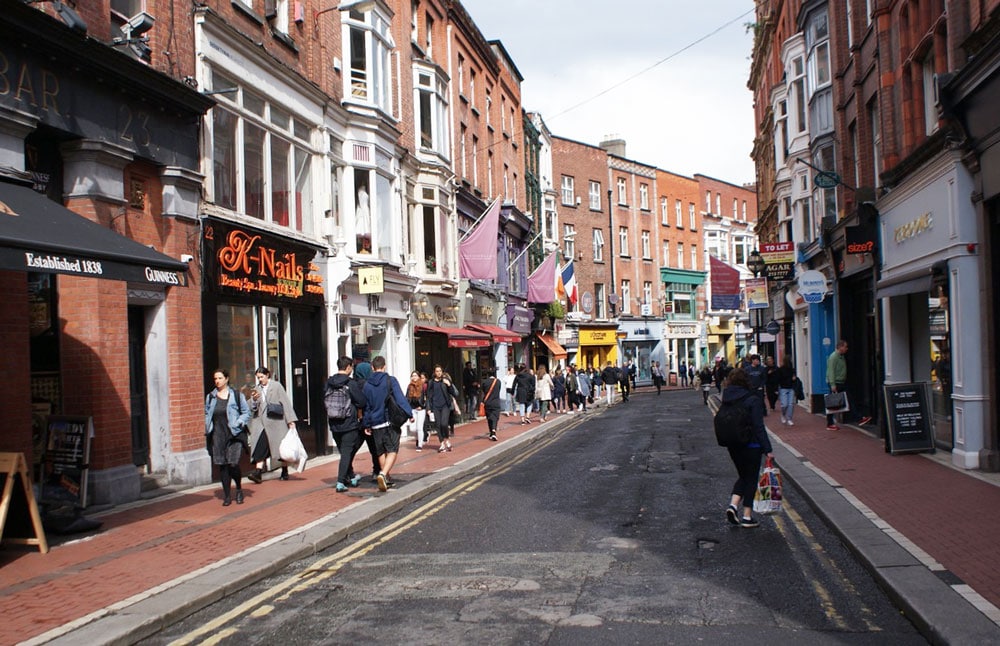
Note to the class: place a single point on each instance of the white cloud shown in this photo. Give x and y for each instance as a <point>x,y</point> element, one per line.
<point>690,114</point>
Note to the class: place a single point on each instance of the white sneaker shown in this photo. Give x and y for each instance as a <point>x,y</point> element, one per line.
<point>783,419</point>
<point>790,423</point>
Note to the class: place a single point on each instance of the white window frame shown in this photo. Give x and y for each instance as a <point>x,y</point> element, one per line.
<point>644,197</point>
<point>680,255</point>
<point>623,242</point>
<point>568,191</point>
<point>693,217</point>
<point>622,191</point>
<point>569,241</point>
<point>594,195</point>
<point>598,244</point>
<point>371,84</point>
<point>664,211</point>
<point>678,214</point>
<point>427,83</point>
<point>626,297</point>
<point>645,245</point>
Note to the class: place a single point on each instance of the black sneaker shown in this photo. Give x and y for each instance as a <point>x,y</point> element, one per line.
<point>749,522</point>
<point>493,437</point>
<point>383,482</point>
<point>731,515</point>
<point>864,420</point>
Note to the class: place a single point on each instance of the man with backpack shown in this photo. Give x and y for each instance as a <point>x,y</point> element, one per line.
<point>343,398</point>
<point>739,426</point>
<point>377,420</point>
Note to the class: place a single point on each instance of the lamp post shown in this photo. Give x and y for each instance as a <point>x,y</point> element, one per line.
<point>756,264</point>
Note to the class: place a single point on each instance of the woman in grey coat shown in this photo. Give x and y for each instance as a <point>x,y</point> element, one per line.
<point>269,425</point>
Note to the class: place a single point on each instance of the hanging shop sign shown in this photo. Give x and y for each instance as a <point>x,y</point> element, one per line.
<point>240,261</point>
<point>370,280</point>
<point>812,286</point>
<point>859,239</point>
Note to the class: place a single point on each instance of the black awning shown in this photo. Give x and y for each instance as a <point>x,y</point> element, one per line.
<point>37,234</point>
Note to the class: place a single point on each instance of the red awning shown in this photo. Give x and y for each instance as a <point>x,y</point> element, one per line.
<point>458,337</point>
<point>499,334</point>
<point>556,350</point>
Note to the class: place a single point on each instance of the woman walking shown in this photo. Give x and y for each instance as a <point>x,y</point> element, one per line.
<point>439,405</point>
<point>786,390</point>
<point>492,402</point>
<point>558,391</point>
<point>746,458</point>
<point>524,393</point>
<point>226,415</point>
<point>273,417</point>
<point>543,391</point>
<point>416,395</point>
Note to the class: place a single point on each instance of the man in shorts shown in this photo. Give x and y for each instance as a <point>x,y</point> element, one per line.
<point>379,386</point>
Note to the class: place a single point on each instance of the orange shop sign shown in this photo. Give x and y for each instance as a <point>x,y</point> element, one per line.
<point>241,261</point>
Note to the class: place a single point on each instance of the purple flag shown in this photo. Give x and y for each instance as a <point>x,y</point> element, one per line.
<point>542,281</point>
<point>477,254</point>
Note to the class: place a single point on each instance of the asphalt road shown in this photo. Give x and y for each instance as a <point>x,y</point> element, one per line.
<point>612,529</point>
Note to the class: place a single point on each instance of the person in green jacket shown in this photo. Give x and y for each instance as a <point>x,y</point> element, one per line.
<point>836,376</point>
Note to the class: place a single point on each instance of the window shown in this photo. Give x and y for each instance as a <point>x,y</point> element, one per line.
<point>850,27</point>
<point>781,133</point>
<point>489,174</point>
<point>644,197</point>
<point>718,204</point>
<point>666,253</point>
<point>694,256</point>
<point>461,74</point>
<point>741,249</point>
<point>594,194</point>
<point>682,304</point>
<point>826,198</point>
<point>873,122</point>
<point>429,36</point>
<point>664,212</point>
<point>623,241</point>
<point>692,218</point>
<point>568,191</point>
<point>472,88</point>
<point>600,301</point>
<point>736,212</point>
<point>462,153</point>
<point>645,245</point>
<point>369,46</point>
<point>626,299</point>
<point>818,46</point>
<point>261,144</point>
<point>506,182</point>
<point>678,214</point>
<point>708,201</point>
<point>569,241</point>
<point>798,93</point>
<point>598,245</point>
<point>930,100</point>
<point>489,104</point>
<point>680,255</point>
<point>647,292</point>
<point>433,221</point>
<point>432,111</point>
<point>503,113</point>
<point>475,160</point>
<point>622,194</point>
<point>744,210</point>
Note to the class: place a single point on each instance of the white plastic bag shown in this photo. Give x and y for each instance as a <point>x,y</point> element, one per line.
<point>291,450</point>
<point>769,495</point>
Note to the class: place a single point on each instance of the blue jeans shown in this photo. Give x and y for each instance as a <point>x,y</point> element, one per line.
<point>786,396</point>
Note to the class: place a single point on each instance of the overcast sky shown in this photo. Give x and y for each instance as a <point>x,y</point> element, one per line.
<point>689,114</point>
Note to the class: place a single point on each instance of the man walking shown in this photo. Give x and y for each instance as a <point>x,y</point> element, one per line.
<point>836,377</point>
<point>379,387</point>
<point>470,388</point>
<point>609,376</point>
<point>343,398</point>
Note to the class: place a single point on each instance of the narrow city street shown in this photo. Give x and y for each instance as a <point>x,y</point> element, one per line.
<point>611,529</point>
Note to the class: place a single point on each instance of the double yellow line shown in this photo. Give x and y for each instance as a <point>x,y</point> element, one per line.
<point>262,604</point>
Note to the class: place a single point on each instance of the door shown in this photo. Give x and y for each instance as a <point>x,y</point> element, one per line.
<point>137,385</point>
<point>309,373</point>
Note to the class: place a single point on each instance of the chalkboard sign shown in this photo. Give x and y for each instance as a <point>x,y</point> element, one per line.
<point>909,417</point>
<point>66,459</point>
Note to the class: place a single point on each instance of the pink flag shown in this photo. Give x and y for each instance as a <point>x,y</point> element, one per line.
<point>477,254</point>
<point>542,281</point>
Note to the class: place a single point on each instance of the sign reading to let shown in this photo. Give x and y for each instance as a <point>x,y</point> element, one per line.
<point>779,259</point>
<point>239,261</point>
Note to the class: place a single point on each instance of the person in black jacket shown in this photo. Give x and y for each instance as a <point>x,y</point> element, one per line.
<point>347,431</point>
<point>746,458</point>
<point>439,398</point>
<point>524,392</point>
<point>492,402</point>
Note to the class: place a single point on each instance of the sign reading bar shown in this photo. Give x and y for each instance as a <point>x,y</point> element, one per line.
<point>241,261</point>
<point>909,417</point>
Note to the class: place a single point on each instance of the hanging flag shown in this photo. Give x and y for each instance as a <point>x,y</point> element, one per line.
<point>725,284</point>
<point>477,254</point>
<point>542,281</point>
<point>569,282</point>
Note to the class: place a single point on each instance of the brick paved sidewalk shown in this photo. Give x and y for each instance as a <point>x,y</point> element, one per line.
<point>948,514</point>
<point>151,543</point>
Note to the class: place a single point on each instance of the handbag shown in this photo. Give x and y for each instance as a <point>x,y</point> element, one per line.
<point>481,410</point>
<point>836,403</point>
<point>276,410</point>
<point>243,437</point>
<point>800,393</point>
<point>768,498</point>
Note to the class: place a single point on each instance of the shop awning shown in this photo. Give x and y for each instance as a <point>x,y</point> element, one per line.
<point>458,337</point>
<point>556,350</point>
<point>37,234</point>
<point>499,334</point>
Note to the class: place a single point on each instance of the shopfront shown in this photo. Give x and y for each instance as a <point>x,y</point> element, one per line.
<point>262,305</point>
<point>682,345</point>
<point>642,343</point>
<point>598,346</point>
<point>929,243</point>
<point>438,339</point>
<point>519,321</point>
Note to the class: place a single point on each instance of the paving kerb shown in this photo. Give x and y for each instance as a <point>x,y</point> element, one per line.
<point>938,611</point>
<point>133,620</point>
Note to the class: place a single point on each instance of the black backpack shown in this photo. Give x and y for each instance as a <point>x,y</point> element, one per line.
<point>337,401</point>
<point>733,426</point>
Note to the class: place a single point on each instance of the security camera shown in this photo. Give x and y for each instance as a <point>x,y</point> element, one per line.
<point>139,24</point>
<point>186,257</point>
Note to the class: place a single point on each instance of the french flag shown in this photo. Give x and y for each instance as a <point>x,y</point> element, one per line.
<point>569,282</point>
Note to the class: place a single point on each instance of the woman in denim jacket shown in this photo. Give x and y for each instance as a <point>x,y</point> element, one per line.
<point>223,428</point>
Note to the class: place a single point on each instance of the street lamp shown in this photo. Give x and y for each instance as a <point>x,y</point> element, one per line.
<point>757,265</point>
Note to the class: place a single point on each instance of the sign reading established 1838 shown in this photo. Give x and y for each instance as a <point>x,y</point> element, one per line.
<point>909,418</point>
<point>240,261</point>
